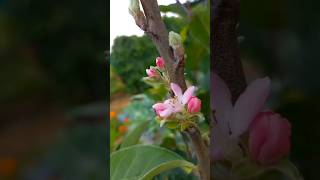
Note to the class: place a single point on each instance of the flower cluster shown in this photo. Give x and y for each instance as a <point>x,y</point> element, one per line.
<point>180,111</point>
<point>156,75</point>
<point>269,133</point>
<point>178,102</point>
<point>183,109</point>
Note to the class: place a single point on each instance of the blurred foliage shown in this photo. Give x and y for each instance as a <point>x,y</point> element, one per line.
<point>116,84</point>
<point>52,56</point>
<point>281,41</point>
<point>77,153</point>
<point>118,128</point>
<point>130,57</point>
<point>54,48</point>
<point>140,109</point>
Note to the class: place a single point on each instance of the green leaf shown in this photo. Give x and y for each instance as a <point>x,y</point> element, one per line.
<point>246,169</point>
<point>198,39</point>
<point>133,136</point>
<point>185,165</point>
<point>173,8</point>
<point>142,162</point>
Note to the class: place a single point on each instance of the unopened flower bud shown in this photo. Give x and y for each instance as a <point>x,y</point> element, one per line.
<point>151,72</point>
<point>134,7</point>
<point>175,40</point>
<point>269,137</point>
<point>194,105</point>
<point>160,62</point>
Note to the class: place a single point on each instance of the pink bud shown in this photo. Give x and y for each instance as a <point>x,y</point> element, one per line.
<point>151,72</point>
<point>160,62</point>
<point>194,105</point>
<point>269,137</point>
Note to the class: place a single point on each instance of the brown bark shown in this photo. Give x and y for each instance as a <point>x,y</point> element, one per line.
<point>225,56</point>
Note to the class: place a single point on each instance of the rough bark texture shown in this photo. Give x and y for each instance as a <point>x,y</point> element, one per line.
<point>225,53</point>
<point>150,21</point>
<point>157,31</point>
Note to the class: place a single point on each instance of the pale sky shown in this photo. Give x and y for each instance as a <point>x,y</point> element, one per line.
<point>122,23</point>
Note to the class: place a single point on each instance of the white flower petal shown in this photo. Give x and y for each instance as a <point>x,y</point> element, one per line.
<point>188,94</point>
<point>176,89</point>
<point>166,113</point>
<point>221,102</point>
<point>249,103</point>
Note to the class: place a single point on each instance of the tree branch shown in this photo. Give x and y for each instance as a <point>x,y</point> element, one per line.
<point>225,59</point>
<point>202,152</point>
<point>153,26</point>
<point>158,33</point>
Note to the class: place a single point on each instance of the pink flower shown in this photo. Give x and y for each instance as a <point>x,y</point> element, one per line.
<point>175,104</point>
<point>269,137</point>
<point>160,109</point>
<point>233,120</point>
<point>194,105</point>
<point>160,62</point>
<point>151,72</point>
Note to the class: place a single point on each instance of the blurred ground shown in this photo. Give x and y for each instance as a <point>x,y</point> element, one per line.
<point>118,102</point>
<point>30,132</point>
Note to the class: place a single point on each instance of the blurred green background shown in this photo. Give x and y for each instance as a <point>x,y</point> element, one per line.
<point>53,80</point>
<point>53,89</point>
<point>281,41</point>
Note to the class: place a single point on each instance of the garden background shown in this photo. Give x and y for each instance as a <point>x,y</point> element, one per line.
<point>53,89</point>
<point>54,80</point>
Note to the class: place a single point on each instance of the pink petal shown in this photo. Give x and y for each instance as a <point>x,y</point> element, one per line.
<point>248,105</point>
<point>159,106</point>
<point>166,113</point>
<point>221,102</point>
<point>176,89</point>
<point>188,94</point>
<point>258,134</point>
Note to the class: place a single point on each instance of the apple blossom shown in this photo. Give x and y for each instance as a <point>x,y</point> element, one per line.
<point>233,120</point>
<point>175,104</point>
<point>269,137</point>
